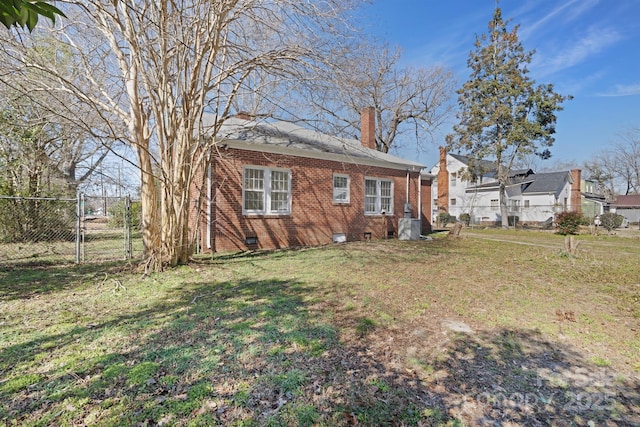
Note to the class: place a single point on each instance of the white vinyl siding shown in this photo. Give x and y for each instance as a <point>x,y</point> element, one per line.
<point>378,196</point>
<point>266,191</point>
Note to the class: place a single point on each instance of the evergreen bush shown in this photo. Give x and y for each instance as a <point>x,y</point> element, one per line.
<point>610,220</point>
<point>569,222</point>
<point>444,218</point>
<point>465,218</point>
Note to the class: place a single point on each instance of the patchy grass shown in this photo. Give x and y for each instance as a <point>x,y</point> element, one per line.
<point>492,327</point>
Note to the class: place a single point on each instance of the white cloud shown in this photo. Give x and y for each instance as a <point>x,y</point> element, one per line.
<point>564,13</point>
<point>594,42</point>
<point>623,90</point>
<point>578,84</point>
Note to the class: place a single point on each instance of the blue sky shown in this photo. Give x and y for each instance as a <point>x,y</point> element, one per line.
<point>589,49</point>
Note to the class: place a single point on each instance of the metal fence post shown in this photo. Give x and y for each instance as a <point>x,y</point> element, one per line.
<point>127,227</point>
<point>83,227</point>
<point>78,225</point>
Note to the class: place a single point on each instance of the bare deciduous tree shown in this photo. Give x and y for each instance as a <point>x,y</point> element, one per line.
<point>627,151</point>
<point>406,100</point>
<point>53,124</point>
<point>165,64</point>
<point>617,169</point>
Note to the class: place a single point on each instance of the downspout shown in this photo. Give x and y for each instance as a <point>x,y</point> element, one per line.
<point>406,197</point>
<point>420,199</point>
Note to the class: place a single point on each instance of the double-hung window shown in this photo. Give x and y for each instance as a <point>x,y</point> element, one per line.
<point>266,191</point>
<point>341,188</point>
<point>378,196</point>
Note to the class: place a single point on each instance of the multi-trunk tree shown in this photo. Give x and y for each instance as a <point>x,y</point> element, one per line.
<point>503,115</point>
<point>162,65</point>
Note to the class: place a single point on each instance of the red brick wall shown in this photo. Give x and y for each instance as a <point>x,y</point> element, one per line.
<point>314,217</point>
<point>368,127</point>
<point>426,206</point>
<point>576,194</point>
<point>443,183</point>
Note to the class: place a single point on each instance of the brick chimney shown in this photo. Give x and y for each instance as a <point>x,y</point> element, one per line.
<point>443,182</point>
<point>368,127</point>
<point>575,200</point>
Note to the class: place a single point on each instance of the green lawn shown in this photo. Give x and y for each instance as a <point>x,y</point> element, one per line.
<point>492,327</point>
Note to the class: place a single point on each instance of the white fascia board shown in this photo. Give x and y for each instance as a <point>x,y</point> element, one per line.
<point>343,158</point>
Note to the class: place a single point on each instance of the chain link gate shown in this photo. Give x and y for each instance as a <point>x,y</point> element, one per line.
<point>61,230</point>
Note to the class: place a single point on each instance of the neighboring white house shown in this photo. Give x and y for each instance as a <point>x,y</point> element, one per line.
<point>533,198</point>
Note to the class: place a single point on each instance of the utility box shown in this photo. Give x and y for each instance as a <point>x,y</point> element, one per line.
<point>409,229</point>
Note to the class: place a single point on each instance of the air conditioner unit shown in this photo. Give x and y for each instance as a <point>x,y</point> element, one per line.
<point>409,228</point>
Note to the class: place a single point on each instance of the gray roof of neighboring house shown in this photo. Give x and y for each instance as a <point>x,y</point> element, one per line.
<point>550,182</point>
<point>627,201</point>
<point>487,167</point>
<point>533,183</point>
<point>280,136</point>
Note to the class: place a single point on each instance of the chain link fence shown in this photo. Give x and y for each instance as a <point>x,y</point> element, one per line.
<point>58,230</point>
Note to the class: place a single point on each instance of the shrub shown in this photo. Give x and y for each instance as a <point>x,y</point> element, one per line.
<point>568,222</point>
<point>465,218</point>
<point>610,220</point>
<point>444,218</point>
<point>36,220</point>
<point>116,215</point>
<point>587,220</point>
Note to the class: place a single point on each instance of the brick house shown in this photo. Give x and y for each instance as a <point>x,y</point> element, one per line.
<point>278,185</point>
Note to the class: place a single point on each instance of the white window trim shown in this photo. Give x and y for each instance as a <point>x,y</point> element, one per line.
<point>341,201</point>
<point>267,191</point>
<point>378,206</point>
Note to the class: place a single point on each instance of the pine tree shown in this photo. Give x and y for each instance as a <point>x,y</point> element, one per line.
<point>503,115</point>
